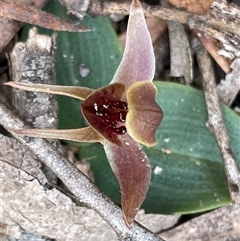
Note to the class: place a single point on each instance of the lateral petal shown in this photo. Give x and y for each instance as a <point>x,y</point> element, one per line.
<point>144,114</point>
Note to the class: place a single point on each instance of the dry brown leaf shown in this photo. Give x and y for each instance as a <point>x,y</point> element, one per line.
<point>194,6</point>
<point>27,205</point>
<point>212,46</point>
<point>26,14</point>
<point>220,224</point>
<point>10,27</point>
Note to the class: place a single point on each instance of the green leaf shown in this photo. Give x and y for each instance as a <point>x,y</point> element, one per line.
<point>98,52</point>
<point>189,179</point>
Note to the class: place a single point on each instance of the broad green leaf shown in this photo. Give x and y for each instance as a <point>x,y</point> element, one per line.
<point>189,179</point>
<point>98,52</point>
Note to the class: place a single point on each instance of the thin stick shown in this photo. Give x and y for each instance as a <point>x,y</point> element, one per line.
<point>76,181</point>
<point>165,13</point>
<point>216,124</point>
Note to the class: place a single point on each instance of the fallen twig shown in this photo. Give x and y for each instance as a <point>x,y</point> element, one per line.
<point>165,13</point>
<point>216,124</point>
<point>76,181</point>
<point>196,21</point>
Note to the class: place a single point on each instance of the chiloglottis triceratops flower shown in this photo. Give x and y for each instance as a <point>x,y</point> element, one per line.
<point>119,115</point>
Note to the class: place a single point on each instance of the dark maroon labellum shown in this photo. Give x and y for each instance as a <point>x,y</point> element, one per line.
<point>105,111</point>
<point>111,112</point>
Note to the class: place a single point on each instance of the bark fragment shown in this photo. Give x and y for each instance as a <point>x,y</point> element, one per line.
<point>229,88</point>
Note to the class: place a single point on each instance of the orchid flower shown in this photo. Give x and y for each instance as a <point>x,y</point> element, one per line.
<point>119,115</point>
